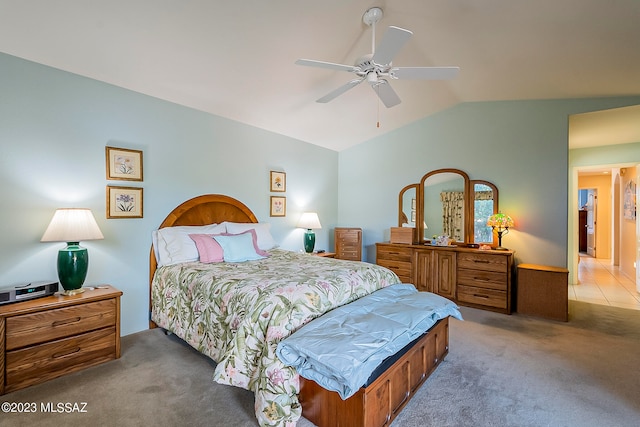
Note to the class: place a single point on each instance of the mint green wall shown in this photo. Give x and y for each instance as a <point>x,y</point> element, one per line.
<point>54,127</point>
<point>521,146</point>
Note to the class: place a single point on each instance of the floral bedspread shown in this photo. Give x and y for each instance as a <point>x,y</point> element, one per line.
<point>237,313</point>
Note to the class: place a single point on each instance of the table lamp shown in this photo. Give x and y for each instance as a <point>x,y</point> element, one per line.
<point>500,223</point>
<point>309,220</point>
<point>72,225</point>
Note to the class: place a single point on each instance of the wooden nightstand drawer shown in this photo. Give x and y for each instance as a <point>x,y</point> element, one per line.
<point>43,362</point>
<point>48,337</point>
<point>482,296</point>
<point>34,328</point>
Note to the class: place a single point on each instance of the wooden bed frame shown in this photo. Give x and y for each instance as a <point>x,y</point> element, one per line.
<point>375,405</point>
<point>201,210</point>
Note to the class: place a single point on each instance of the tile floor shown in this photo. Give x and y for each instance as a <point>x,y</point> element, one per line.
<point>600,282</point>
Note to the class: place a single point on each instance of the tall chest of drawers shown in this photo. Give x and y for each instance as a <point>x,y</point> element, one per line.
<point>471,277</point>
<point>348,241</point>
<point>48,337</point>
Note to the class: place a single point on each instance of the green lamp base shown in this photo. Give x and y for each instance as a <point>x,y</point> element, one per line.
<point>309,241</point>
<point>73,262</point>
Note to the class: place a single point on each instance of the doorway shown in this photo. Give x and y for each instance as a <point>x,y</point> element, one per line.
<point>605,272</point>
<point>592,209</point>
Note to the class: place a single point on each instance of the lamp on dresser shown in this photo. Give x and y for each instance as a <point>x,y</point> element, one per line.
<point>309,220</point>
<point>72,225</point>
<point>500,223</point>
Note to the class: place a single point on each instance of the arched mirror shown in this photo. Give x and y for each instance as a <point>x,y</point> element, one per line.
<point>485,204</point>
<point>407,206</point>
<point>444,205</point>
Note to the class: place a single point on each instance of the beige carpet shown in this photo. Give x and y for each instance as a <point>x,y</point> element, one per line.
<point>501,371</point>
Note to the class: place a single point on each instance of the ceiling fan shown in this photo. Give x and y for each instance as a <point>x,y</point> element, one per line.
<point>376,67</point>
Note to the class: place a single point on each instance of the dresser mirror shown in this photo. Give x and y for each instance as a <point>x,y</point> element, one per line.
<point>447,202</point>
<point>485,204</point>
<point>408,206</point>
<point>444,205</point>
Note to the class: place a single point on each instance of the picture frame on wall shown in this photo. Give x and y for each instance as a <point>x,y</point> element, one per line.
<point>629,207</point>
<point>124,202</point>
<point>278,206</point>
<point>278,181</point>
<point>123,164</point>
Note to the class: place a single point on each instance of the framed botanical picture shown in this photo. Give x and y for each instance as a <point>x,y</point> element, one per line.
<point>278,181</point>
<point>278,206</point>
<point>124,202</point>
<point>124,164</point>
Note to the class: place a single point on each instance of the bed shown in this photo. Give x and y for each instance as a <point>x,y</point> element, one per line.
<point>237,312</point>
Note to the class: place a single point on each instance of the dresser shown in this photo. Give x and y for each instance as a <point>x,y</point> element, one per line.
<point>470,277</point>
<point>48,337</point>
<point>348,242</point>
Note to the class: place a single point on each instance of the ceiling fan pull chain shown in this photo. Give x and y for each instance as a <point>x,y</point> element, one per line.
<point>378,104</point>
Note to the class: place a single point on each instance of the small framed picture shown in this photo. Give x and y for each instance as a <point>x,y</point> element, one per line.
<point>278,206</point>
<point>278,181</point>
<point>124,164</point>
<point>124,202</point>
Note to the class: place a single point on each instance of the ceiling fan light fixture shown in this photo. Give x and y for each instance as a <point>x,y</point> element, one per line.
<point>372,15</point>
<point>372,77</point>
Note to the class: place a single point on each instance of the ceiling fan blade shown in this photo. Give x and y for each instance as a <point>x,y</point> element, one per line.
<point>323,64</point>
<point>386,93</point>
<point>342,89</point>
<point>390,45</point>
<point>424,73</point>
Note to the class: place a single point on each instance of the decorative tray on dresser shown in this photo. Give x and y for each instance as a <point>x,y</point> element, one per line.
<point>48,337</point>
<point>471,277</point>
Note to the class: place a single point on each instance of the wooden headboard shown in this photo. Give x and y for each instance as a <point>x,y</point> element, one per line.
<point>201,210</point>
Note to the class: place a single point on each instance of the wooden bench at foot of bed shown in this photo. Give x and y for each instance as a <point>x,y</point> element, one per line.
<point>378,403</point>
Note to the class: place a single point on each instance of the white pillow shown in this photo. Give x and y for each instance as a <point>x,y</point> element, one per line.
<point>173,245</point>
<point>265,239</point>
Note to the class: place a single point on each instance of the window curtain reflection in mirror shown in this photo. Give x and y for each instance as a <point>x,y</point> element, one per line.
<point>453,214</point>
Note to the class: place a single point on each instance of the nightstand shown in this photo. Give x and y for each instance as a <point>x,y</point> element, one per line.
<point>48,337</point>
<point>325,254</point>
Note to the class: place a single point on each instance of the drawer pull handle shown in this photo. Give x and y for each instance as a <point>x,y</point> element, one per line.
<point>481,296</point>
<point>481,261</point>
<point>66,321</point>
<point>481,279</point>
<point>67,353</point>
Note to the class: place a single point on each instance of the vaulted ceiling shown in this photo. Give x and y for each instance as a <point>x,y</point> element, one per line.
<point>236,59</point>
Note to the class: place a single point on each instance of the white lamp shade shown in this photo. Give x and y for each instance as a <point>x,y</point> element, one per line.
<point>72,225</point>
<point>309,220</point>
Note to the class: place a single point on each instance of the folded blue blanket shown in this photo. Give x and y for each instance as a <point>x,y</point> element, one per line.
<point>341,349</point>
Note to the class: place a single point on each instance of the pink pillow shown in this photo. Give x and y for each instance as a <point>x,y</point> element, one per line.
<point>211,251</point>
<point>208,249</point>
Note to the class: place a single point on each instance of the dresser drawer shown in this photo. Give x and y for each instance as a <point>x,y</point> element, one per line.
<point>482,279</point>
<point>483,261</point>
<point>42,362</point>
<point>482,296</point>
<point>402,269</point>
<point>35,328</point>
<point>348,253</point>
<point>347,235</point>
<point>394,253</point>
